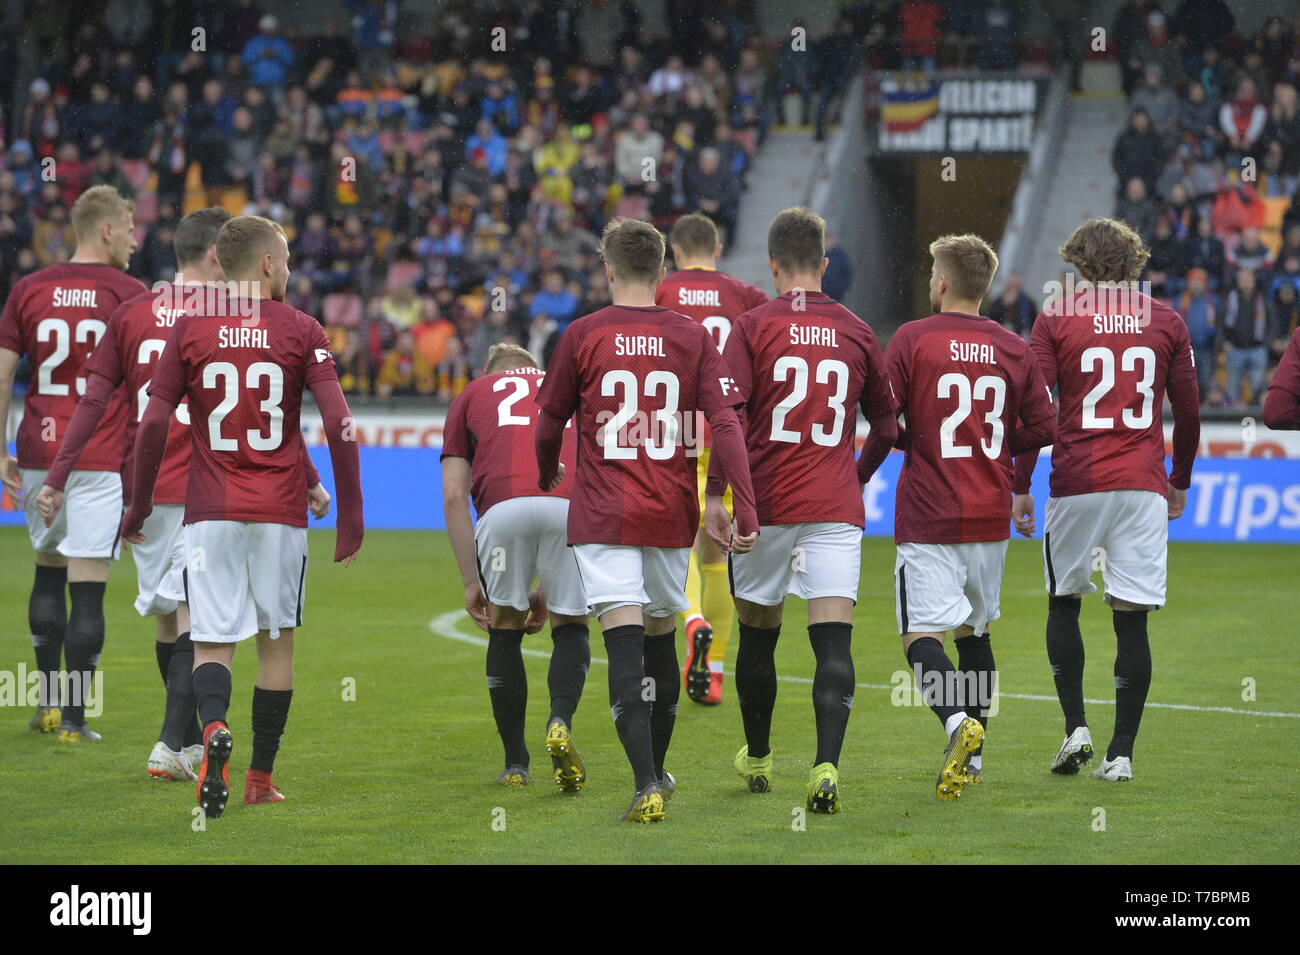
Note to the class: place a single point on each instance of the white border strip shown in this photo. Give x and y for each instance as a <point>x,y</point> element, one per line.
<point>447,625</point>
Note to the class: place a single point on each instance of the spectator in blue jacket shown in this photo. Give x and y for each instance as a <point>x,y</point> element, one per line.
<point>555,301</point>
<point>495,147</point>
<point>268,56</point>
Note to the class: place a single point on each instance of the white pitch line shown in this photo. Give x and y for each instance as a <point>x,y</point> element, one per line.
<point>446,625</point>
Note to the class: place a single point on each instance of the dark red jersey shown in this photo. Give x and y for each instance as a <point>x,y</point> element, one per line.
<point>244,378</point>
<point>493,425</point>
<point>807,365</point>
<point>137,333</point>
<point>634,378</point>
<point>965,385</point>
<point>57,317</point>
<point>712,298</point>
<point>1111,371</point>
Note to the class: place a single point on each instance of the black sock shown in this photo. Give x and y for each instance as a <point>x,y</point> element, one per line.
<point>508,687</point>
<point>1132,679</point>
<point>978,672</point>
<point>833,686</point>
<point>625,647</point>
<point>163,653</point>
<point>1065,654</point>
<point>661,666</point>
<point>193,729</point>
<point>179,714</point>
<point>212,692</point>
<point>756,685</point>
<point>47,615</point>
<point>936,677</point>
<point>82,646</point>
<point>270,713</point>
<point>570,661</point>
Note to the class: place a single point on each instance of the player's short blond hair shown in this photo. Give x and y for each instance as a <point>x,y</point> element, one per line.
<point>1106,250</point>
<point>634,250</point>
<point>968,262</point>
<point>507,355</point>
<point>694,234</point>
<point>796,240</point>
<point>95,206</point>
<point>243,241</point>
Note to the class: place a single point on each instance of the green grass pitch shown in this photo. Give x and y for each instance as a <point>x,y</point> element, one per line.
<point>404,773</point>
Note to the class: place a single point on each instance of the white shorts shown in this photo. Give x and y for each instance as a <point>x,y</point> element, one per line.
<point>653,578</point>
<point>160,561</point>
<point>939,587</point>
<point>1124,534</point>
<point>88,523</point>
<point>242,577</point>
<point>799,560</point>
<point>523,539</point>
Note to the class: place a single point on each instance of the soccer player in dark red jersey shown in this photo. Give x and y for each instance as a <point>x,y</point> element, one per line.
<point>126,356</point>
<point>806,364</point>
<point>1282,402</point>
<point>971,397</point>
<point>56,317</point>
<point>714,299</point>
<point>489,453</point>
<point>630,375</point>
<point>1113,353</point>
<point>242,361</point>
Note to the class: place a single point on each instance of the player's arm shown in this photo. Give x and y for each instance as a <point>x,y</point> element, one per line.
<point>881,403</point>
<point>1035,428</point>
<point>557,398</point>
<point>1044,355</point>
<point>9,475</point>
<point>1282,402</point>
<point>738,362</point>
<point>85,420</point>
<point>723,387</point>
<point>460,528</point>
<point>346,461</point>
<point>318,499</point>
<point>150,444</point>
<point>1185,403</point>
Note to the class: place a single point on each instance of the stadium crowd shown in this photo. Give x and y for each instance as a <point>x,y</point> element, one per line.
<point>1207,167</point>
<point>441,195</point>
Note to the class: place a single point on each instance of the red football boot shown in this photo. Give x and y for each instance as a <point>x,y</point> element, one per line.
<point>258,788</point>
<point>698,678</point>
<point>214,774</point>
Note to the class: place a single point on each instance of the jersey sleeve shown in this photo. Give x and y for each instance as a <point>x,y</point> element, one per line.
<point>106,359</point>
<point>559,391</point>
<point>754,297</point>
<point>1182,364</point>
<point>897,357</point>
<point>168,382</point>
<point>455,430</point>
<point>878,400</point>
<point>319,358</point>
<point>724,382</point>
<point>1036,401</point>
<point>11,332</point>
<point>1043,343</point>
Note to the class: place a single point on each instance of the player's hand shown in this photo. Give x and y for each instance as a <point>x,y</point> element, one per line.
<point>717,522</point>
<point>11,478</point>
<point>537,611</point>
<point>1177,501</point>
<point>1022,514</point>
<point>318,501</point>
<point>133,524</point>
<point>48,503</point>
<point>555,481</point>
<point>476,605</point>
<point>743,543</point>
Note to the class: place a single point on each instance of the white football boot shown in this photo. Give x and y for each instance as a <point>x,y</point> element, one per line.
<point>165,764</point>
<point>1117,770</point>
<point>1075,751</point>
<point>194,754</point>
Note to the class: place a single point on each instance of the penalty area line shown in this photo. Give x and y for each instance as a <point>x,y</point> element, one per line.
<point>448,625</point>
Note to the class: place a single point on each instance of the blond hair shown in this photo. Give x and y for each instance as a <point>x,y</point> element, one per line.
<point>242,241</point>
<point>634,250</point>
<point>968,262</point>
<point>1106,250</point>
<point>796,240</point>
<point>507,355</point>
<point>95,206</point>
